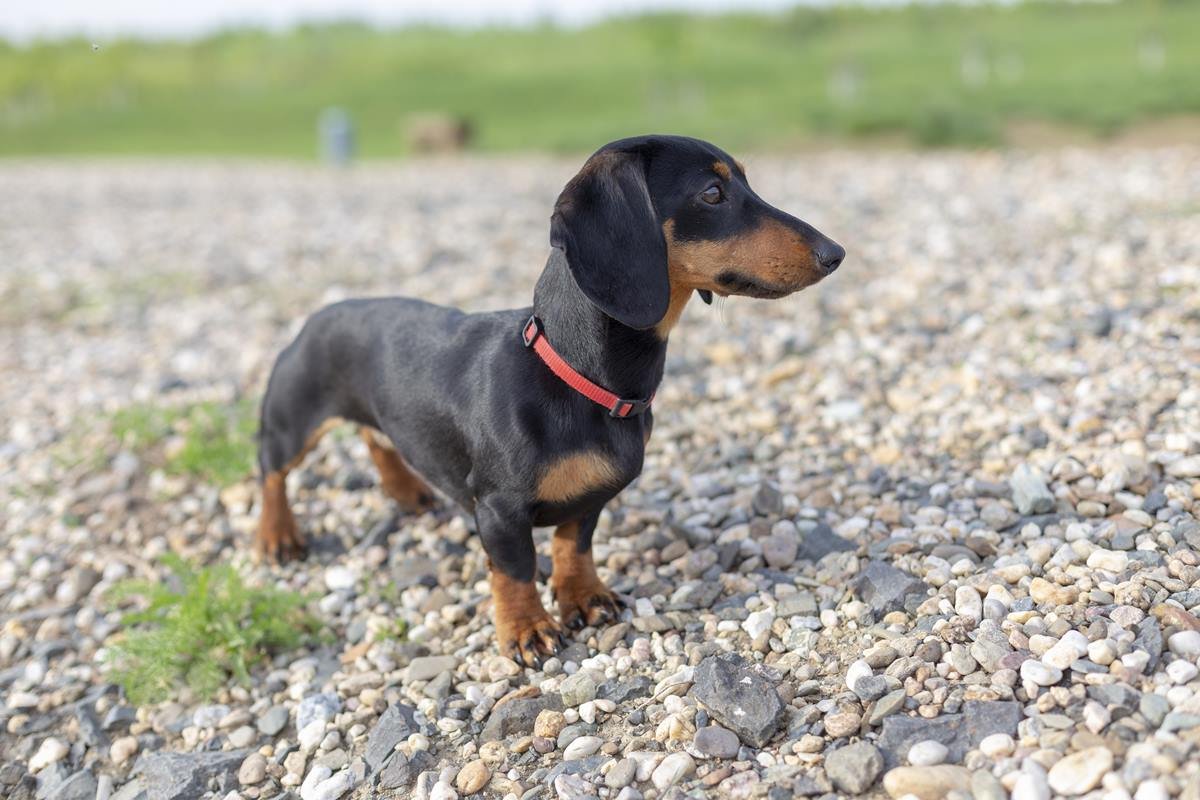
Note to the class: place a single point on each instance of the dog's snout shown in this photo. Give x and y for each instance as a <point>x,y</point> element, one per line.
<point>829,255</point>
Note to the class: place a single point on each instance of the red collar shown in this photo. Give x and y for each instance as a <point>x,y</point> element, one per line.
<point>535,338</point>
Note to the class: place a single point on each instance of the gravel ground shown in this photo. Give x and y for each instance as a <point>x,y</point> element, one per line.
<point>929,529</point>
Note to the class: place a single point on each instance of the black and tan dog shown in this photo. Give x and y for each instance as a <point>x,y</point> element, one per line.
<point>538,416</point>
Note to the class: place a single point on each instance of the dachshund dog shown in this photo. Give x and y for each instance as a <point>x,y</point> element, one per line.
<point>538,416</point>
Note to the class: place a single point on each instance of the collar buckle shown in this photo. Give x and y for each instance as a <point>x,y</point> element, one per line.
<point>629,408</point>
<point>531,331</point>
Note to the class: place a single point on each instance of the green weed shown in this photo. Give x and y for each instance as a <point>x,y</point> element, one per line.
<point>217,438</point>
<point>201,628</point>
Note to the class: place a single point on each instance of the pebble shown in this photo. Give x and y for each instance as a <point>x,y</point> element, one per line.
<point>927,753</point>
<point>1031,786</point>
<point>122,749</point>
<point>472,777</point>
<point>253,770</point>
<point>714,741</point>
<point>1185,644</point>
<point>854,768</point>
<point>50,751</point>
<point>1080,772</point>
<point>673,769</point>
<point>582,747</point>
<point>927,783</point>
<point>1039,673</point>
<point>996,745</point>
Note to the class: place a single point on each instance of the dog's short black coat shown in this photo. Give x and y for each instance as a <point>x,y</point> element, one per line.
<point>477,415</point>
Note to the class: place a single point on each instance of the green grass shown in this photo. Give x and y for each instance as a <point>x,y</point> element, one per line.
<point>937,75</point>
<point>217,444</point>
<point>200,629</point>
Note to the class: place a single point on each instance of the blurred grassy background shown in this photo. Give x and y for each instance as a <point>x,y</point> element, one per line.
<point>943,75</point>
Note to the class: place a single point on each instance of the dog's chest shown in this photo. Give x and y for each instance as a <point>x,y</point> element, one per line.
<point>594,470</point>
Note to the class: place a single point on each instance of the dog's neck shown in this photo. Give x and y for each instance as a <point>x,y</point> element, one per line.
<point>623,360</point>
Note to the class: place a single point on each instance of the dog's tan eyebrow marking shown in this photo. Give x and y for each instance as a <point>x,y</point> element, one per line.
<point>722,169</point>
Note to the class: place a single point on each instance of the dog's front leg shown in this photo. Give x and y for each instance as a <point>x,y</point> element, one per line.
<point>582,597</point>
<point>524,631</point>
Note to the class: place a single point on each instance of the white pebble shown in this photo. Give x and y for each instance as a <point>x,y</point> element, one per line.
<point>582,747</point>
<point>1185,643</point>
<point>1040,674</point>
<point>1108,560</point>
<point>673,769</point>
<point>968,603</point>
<point>927,753</point>
<point>857,671</point>
<point>997,745</point>
<point>50,751</point>
<point>1181,672</point>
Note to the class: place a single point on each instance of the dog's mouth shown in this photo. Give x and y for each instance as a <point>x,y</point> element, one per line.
<point>730,282</point>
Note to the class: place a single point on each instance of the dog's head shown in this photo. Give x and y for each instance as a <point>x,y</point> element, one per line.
<point>653,217</point>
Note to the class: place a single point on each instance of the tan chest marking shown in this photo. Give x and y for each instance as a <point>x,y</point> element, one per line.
<point>575,475</point>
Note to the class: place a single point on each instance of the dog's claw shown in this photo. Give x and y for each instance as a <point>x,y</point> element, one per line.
<point>535,641</point>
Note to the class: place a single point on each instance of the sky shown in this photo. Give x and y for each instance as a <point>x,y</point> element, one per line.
<point>29,19</point>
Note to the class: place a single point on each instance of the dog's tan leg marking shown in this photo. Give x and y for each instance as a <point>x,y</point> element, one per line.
<point>524,631</point>
<point>582,597</point>
<point>397,479</point>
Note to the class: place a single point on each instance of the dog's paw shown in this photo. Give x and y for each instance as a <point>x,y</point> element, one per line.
<point>530,640</point>
<point>279,544</point>
<point>413,498</point>
<point>592,604</point>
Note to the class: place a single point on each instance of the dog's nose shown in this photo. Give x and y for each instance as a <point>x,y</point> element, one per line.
<point>829,255</point>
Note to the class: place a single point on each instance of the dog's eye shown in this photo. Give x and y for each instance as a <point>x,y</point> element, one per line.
<point>712,195</point>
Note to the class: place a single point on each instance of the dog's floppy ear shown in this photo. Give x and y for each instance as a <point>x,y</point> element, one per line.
<point>605,223</point>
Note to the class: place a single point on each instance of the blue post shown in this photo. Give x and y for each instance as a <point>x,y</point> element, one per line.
<point>336,133</point>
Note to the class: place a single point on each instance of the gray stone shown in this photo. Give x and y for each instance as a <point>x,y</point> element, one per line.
<point>395,725</point>
<point>958,732</point>
<point>185,776</point>
<point>885,588</point>
<point>716,742</point>
<point>1029,491</point>
<point>90,729</point>
<point>889,704</point>
<point>780,548</point>
<point>517,716</point>
<point>622,774</point>
<point>577,689</point>
<point>739,698</point>
<point>400,771</point>
<point>119,717</point>
<point>820,542</point>
<point>317,707</point>
<point>854,768</point>
<point>620,691</point>
<point>132,790</point>
<point>799,604</point>
<point>80,786</point>
<point>1180,721</point>
<point>425,668</point>
<point>273,720</point>
<point>1154,708</point>
<point>871,687</point>
<point>1149,638</point>
<point>990,646</point>
<point>768,500</point>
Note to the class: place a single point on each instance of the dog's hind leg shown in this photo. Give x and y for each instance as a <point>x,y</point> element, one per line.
<point>295,415</point>
<point>395,477</point>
